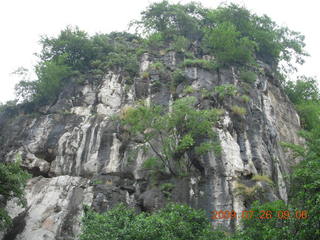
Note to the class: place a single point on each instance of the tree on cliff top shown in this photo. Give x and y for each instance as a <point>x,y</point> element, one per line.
<point>230,33</point>
<point>268,41</point>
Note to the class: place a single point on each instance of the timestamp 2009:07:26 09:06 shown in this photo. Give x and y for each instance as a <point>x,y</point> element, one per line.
<point>299,214</point>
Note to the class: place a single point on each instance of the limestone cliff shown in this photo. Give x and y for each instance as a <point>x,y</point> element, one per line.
<point>79,155</point>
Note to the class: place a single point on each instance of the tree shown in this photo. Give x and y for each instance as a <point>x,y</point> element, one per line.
<point>227,45</point>
<point>248,36</point>
<point>51,77</point>
<point>269,221</point>
<point>173,19</point>
<point>305,94</point>
<point>304,89</point>
<point>12,182</point>
<point>186,131</point>
<point>176,222</point>
<point>272,42</point>
<point>74,55</point>
<point>74,44</point>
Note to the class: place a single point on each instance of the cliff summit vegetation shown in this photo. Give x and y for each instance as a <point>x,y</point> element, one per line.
<point>231,34</point>
<point>228,36</point>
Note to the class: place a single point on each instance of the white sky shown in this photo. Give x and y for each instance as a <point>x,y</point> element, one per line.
<point>22,22</point>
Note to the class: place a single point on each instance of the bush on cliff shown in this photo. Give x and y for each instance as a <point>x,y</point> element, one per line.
<point>178,138</point>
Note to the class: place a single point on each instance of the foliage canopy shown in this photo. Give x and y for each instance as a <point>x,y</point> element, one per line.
<point>183,131</point>
<point>246,35</point>
<point>12,182</point>
<point>176,222</point>
<point>231,34</point>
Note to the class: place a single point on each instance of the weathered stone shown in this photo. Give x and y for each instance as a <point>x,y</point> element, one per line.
<point>78,154</point>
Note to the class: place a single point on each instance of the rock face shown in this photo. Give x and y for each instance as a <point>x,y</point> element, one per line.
<point>79,155</point>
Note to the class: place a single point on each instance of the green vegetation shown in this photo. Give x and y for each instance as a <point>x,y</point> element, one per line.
<point>248,76</point>
<point>97,182</point>
<point>9,106</point>
<point>227,45</point>
<point>166,189</point>
<point>12,182</point>
<point>245,98</point>
<point>172,222</point>
<point>145,75</point>
<point>151,164</point>
<point>74,56</point>
<point>262,178</point>
<point>305,89</point>
<point>179,133</point>
<point>230,34</point>
<point>201,63</point>
<point>305,180</point>
<point>305,94</point>
<point>240,111</point>
<point>180,44</point>
<point>157,66</point>
<point>248,192</point>
<point>265,223</point>
<point>178,77</point>
<point>220,91</point>
<point>189,90</point>
<point>225,90</point>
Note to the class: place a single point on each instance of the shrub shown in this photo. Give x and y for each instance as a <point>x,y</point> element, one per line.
<point>178,77</point>
<point>166,189</point>
<point>265,223</point>
<point>205,93</point>
<point>12,182</point>
<point>240,111</point>
<point>172,222</point>
<point>97,182</point>
<point>189,90</point>
<point>151,164</point>
<point>201,63</point>
<point>158,66</point>
<point>262,178</point>
<point>245,98</point>
<point>225,90</point>
<point>247,192</point>
<point>180,44</point>
<point>145,75</point>
<point>155,40</point>
<point>248,76</point>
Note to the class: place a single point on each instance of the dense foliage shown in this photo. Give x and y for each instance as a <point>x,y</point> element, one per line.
<point>231,34</point>
<point>305,94</point>
<point>74,56</point>
<point>174,222</point>
<point>12,182</point>
<point>179,132</point>
<point>305,190</point>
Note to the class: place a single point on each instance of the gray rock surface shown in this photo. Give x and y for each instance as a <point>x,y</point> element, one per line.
<point>79,155</point>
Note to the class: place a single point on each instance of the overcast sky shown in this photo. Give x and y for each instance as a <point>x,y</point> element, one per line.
<point>22,22</point>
